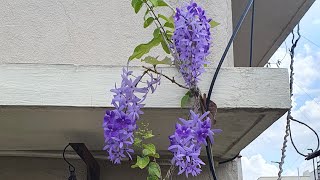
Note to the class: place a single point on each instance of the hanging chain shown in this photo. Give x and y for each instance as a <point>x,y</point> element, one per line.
<point>289,116</point>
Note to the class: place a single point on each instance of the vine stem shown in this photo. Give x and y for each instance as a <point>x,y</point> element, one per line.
<point>157,19</point>
<point>167,77</point>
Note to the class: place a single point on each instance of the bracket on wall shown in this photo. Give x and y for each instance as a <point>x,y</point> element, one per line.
<point>93,168</point>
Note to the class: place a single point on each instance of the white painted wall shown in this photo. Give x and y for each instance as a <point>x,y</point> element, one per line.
<point>91,32</point>
<point>230,171</point>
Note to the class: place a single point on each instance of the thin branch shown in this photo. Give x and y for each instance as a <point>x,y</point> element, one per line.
<point>167,77</point>
<point>157,19</point>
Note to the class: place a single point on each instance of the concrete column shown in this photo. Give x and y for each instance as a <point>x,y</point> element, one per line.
<point>230,170</point>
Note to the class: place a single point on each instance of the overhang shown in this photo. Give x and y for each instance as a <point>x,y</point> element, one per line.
<point>44,107</point>
<point>273,21</point>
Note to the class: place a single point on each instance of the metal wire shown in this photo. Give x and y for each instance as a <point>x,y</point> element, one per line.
<point>71,167</point>
<point>234,34</point>
<point>310,129</point>
<point>251,33</point>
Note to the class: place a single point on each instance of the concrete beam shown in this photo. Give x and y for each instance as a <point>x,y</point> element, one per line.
<point>53,105</point>
<point>89,86</point>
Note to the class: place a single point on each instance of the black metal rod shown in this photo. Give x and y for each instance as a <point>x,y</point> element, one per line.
<point>313,155</point>
<point>234,34</point>
<point>251,33</point>
<point>93,168</point>
<point>314,169</point>
<point>209,155</point>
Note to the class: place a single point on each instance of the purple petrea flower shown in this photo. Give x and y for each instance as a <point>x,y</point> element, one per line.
<point>120,123</point>
<point>192,41</point>
<point>186,142</point>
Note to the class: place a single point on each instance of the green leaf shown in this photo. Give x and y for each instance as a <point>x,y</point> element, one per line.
<point>171,20</point>
<point>185,99</point>
<point>150,147</point>
<point>156,32</point>
<point>169,25</point>
<point>136,4</point>
<point>156,155</point>
<point>147,152</point>
<point>213,23</point>
<point>155,61</point>
<point>163,17</point>
<point>148,22</point>
<point>154,2</point>
<point>165,47</point>
<point>152,178</point>
<point>142,49</point>
<point>162,3</point>
<point>148,135</point>
<point>154,169</point>
<point>142,162</point>
<point>145,14</point>
<point>134,166</point>
<point>137,141</point>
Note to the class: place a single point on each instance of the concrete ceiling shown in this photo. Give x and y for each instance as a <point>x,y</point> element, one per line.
<point>51,128</point>
<point>273,21</point>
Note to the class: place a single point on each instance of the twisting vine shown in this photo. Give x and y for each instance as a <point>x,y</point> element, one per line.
<point>186,37</point>
<point>289,116</point>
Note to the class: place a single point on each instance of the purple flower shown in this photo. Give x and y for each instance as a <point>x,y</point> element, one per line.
<point>192,41</point>
<point>119,124</point>
<point>186,142</point>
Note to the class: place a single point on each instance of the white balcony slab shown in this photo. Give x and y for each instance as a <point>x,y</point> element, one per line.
<point>43,107</point>
<point>273,21</point>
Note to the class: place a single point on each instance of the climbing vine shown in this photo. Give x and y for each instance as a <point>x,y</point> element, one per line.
<point>185,36</point>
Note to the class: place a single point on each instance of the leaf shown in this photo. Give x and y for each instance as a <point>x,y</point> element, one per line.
<point>156,155</point>
<point>147,152</point>
<point>169,25</point>
<point>164,46</point>
<point>162,3</point>
<point>134,166</point>
<point>154,169</point>
<point>142,49</point>
<point>137,141</point>
<point>148,135</point>
<point>155,61</point>
<point>212,108</point>
<point>152,178</point>
<point>150,147</point>
<point>185,99</point>
<point>163,17</point>
<point>148,22</point>
<point>142,162</point>
<point>136,4</point>
<point>171,20</point>
<point>213,23</point>
<point>154,2</point>
<point>145,14</point>
<point>156,32</point>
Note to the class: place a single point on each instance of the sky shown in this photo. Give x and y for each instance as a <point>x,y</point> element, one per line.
<point>257,156</point>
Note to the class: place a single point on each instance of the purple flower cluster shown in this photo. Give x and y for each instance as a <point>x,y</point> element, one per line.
<point>185,143</point>
<point>192,41</point>
<point>120,123</point>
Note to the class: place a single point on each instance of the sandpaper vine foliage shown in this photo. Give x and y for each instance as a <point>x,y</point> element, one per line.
<point>185,37</point>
